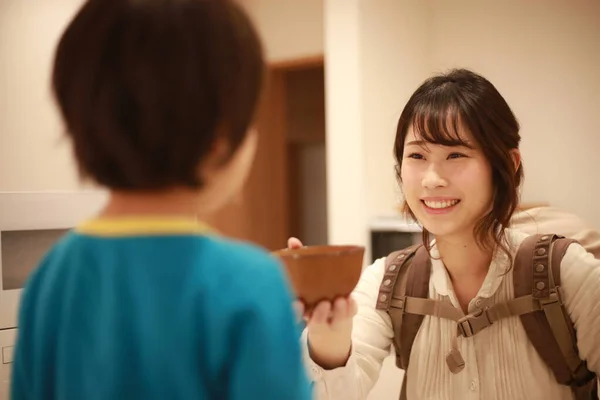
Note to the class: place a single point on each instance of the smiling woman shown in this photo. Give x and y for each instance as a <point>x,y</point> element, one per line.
<point>460,127</point>
<point>459,167</point>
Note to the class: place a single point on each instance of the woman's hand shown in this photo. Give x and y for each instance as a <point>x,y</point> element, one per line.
<point>329,326</point>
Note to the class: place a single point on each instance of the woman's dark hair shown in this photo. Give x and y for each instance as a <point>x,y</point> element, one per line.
<point>462,99</point>
<point>145,88</point>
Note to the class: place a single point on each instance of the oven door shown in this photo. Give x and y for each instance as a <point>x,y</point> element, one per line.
<point>7,345</point>
<point>20,253</point>
<point>30,224</point>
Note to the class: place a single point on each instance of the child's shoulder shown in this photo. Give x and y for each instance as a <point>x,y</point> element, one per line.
<point>244,259</point>
<point>237,250</point>
<point>247,272</point>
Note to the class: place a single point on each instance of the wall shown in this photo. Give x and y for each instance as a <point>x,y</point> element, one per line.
<point>542,59</point>
<point>394,47</point>
<point>346,197</point>
<point>545,62</point>
<point>33,152</point>
<point>290,28</point>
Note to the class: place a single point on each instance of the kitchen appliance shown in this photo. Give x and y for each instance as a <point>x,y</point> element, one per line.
<point>30,224</point>
<point>391,233</point>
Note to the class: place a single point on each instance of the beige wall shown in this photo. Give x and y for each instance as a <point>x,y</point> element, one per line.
<point>33,154</point>
<point>394,57</point>
<point>545,60</point>
<point>542,59</point>
<point>346,174</point>
<point>290,28</point>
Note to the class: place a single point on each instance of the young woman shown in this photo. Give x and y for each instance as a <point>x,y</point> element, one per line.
<point>459,167</point>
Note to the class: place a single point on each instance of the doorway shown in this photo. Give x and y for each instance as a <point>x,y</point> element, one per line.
<point>285,194</point>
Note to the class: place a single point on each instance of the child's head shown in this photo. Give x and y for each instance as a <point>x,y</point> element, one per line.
<point>457,150</point>
<point>160,94</point>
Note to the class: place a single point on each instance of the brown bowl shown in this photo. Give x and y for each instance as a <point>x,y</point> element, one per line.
<point>322,272</point>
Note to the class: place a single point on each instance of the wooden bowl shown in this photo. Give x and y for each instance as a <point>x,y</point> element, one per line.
<point>320,273</point>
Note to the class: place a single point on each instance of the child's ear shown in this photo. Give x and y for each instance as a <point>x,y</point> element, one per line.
<point>215,159</point>
<point>220,154</point>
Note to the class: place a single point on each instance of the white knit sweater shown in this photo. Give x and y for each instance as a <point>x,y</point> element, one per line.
<point>501,364</point>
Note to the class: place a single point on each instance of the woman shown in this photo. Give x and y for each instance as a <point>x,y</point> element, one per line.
<point>459,167</point>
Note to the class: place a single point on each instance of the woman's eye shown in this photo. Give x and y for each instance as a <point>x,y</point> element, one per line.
<point>456,155</point>
<point>416,156</point>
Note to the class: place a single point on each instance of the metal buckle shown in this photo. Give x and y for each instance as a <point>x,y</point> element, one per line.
<point>474,323</point>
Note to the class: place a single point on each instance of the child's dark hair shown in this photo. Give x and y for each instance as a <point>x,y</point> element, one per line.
<point>462,98</point>
<point>146,87</point>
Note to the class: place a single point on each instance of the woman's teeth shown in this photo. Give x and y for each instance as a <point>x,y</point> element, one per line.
<point>440,204</point>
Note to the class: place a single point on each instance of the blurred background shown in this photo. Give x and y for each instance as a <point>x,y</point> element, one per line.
<point>341,71</point>
<point>340,74</point>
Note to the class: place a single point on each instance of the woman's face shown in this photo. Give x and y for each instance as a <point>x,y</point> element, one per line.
<point>448,188</point>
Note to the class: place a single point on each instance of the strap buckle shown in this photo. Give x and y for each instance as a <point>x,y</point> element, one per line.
<point>398,303</point>
<point>582,376</point>
<point>474,323</point>
<point>553,297</point>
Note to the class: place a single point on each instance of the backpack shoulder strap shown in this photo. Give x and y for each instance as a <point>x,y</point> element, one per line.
<point>550,330</point>
<point>407,274</point>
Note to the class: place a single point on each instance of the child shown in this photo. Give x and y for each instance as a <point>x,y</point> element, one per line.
<point>144,301</point>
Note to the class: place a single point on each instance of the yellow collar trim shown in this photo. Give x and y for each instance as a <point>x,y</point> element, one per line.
<point>136,226</point>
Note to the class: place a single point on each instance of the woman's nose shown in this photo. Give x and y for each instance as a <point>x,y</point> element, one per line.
<point>433,179</point>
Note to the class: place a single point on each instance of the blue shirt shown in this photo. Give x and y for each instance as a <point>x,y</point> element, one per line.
<point>171,313</point>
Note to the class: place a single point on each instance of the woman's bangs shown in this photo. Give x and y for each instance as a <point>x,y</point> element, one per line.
<point>439,125</point>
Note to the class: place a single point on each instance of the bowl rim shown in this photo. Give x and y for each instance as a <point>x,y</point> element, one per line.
<point>319,251</point>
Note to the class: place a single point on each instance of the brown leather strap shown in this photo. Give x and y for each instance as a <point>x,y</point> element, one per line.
<point>535,324</point>
<point>550,330</point>
<point>417,286</point>
<point>397,314</point>
<point>393,285</point>
<point>441,309</point>
<point>394,263</point>
<point>589,391</point>
<point>403,395</point>
<point>558,319</point>
<point>473,323</point>
<point>393,292</point>
<point>585,385</point>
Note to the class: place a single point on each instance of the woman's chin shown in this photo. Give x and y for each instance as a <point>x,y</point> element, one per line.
<point>441,230</point>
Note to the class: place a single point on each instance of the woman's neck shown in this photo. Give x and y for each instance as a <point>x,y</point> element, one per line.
<point>463,257</point>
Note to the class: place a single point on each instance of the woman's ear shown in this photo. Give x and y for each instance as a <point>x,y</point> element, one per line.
<point>516,157</point>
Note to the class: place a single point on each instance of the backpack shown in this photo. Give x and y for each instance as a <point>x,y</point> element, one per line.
<point>404,295</point>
